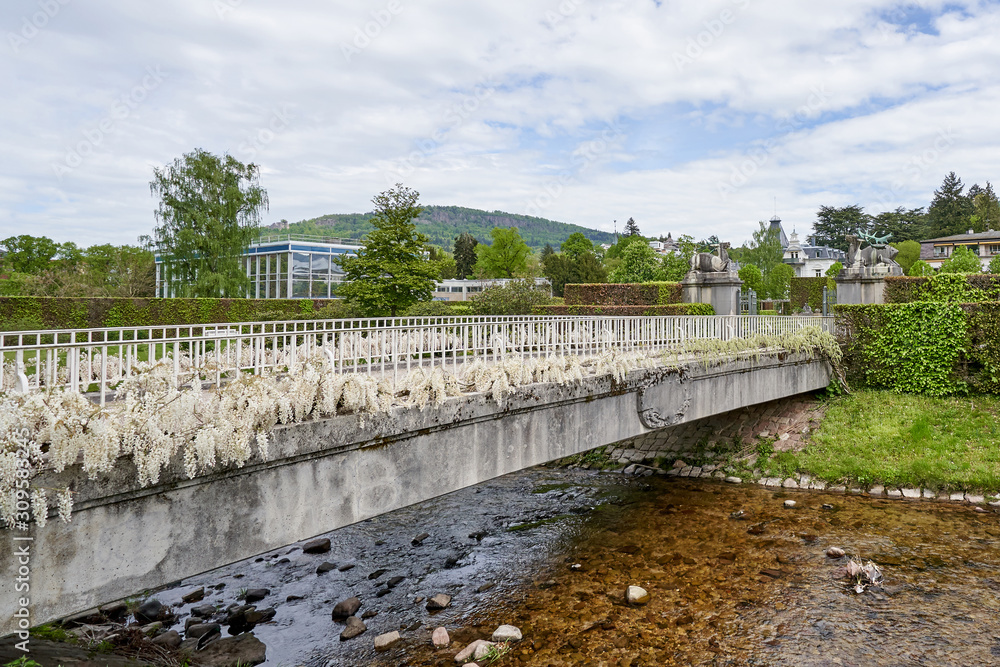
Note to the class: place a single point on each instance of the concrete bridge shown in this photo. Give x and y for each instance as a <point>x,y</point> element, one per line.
<point>329,473</point>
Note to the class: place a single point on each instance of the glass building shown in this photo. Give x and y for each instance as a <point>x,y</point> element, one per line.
<point>285,266</point>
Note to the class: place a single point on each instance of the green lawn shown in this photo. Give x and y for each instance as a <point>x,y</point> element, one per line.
<point>905,440</point>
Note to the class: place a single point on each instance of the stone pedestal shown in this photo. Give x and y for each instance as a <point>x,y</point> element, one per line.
<point>722,290</point>
<point>864,285</point>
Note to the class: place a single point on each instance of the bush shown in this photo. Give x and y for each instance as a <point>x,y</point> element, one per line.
<point>517,297</point>
<point>953,287</point>
<point>438,309</point>
<point>809,290</point>
<point>920,268</point>
<point>962,260</point>
<point>628,311</point>
<point>623,294</point>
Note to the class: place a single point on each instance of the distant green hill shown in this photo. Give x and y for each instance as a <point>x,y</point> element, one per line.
<point>443,223</point>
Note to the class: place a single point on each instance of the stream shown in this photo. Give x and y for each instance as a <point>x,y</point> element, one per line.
<point>734,577</point>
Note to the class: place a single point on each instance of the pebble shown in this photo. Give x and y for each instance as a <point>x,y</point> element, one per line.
<point>507,633</point>
<point>194,596</point>
<point>834,552</point>
<point>355,626</point>
<point>325,567</point>
<point>440,638</point>
<point>256,594</point>
<point>419,539</point>
<point>789,504</point>
<point>386,640</point>
<point>318,546</point>
<point>439,601</point>
<point>636,595</point>
<point>734,480</point>
<point>346,608</point>
<point>472,651</point>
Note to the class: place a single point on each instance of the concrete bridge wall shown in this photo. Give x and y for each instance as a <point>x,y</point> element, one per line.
<point>330,473</point>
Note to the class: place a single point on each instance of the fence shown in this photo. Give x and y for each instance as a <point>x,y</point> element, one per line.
<point>96,360</point>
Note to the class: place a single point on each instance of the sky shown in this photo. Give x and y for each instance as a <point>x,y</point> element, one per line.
<point>691,117</point>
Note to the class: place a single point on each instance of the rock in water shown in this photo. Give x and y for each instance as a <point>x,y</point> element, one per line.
<point>325,567</point>
<point>149,611</point>
<point>169,640</point>
<point>383,642</point>
<point>506,633</point>
<point>834,552</point>
<point>636,595</point>
<point>195,596</point>
<point>346,608</point>
<point>256,595</point>
<point>354,627</point>
<point>789,504</point>
<point>440,638</point>
<point>317,546</point>
<point>243,650</point>
<point>439,601</point>
<point>473,650</point>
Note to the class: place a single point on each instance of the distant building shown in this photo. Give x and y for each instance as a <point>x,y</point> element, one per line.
<point>463,290</point>
<point>667,245</point>
<point>985,244</point>
<point>808,260</point>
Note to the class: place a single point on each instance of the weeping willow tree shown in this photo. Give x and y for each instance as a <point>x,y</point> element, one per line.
<point>209,214</point>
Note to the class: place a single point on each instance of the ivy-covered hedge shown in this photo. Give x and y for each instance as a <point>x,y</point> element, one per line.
<point>27,312</point>
<point>809,290</point>
<point>953,287</point>
<point>670,309</point>
<point>623,294</point>
<point>926,347</point>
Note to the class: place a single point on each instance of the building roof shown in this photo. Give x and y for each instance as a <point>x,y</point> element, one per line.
<point>957,238</point>
<point>776,223</point>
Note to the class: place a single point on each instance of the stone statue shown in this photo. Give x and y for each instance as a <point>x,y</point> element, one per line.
<point>705,262</point>
<point>877,252</point>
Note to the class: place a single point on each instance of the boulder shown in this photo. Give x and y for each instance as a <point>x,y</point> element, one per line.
<point>150,611</point>
<point>318,546</point>
<point>233,652</point>
<point>354,627</point>
<point>256,595</point>
<point>169,640</point>
<point>346,608</point>
<point>197,595</point>
<point>203,610</point>
<point>198,630</point>
<point>439,601</point>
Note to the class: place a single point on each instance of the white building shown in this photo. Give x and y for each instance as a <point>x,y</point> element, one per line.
<point>463,290</point>
<point>808,260</point>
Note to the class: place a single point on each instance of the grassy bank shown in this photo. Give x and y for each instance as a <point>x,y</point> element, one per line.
<point>875,437</point>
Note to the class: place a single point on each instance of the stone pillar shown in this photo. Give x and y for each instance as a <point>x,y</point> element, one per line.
<point>722,290</point>
<point>860,286</point>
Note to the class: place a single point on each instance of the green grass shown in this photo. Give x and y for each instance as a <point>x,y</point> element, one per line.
<point>52,633</point>
<point>874,437</point>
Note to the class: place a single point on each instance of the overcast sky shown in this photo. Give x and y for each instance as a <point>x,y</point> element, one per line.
<point>690,116</point>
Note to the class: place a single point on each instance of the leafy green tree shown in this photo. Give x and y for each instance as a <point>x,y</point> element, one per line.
<point>833,224</point>
<point>752,278</point>
<point>28,254</point>
<point>577,244</point>
<point>986,208</point>
<point>506,257</point>
<point>465,254</point>
<point>517,297</point>
<point>962,260</point>
<point>764,250</point>
<point>631,229</point>
<point>779,281</point>
<point>834,270</point>
<point>562,269</point>
<point>209,214</point>
<point>994,266</point>
<point>904,224</point>
<point>445,262</point>
<point>390,272</point>
<point>617,249</point>
<point>639,264</point>
<point>949,211</point>
<point>909,252</point>
<point>920,268</point>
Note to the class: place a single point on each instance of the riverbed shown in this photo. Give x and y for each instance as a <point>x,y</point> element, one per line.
<point>734,577</point>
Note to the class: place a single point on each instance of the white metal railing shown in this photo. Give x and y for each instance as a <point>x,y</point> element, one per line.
<point>96,360</point>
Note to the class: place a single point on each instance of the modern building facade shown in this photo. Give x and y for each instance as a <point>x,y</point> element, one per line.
<point>463,290</point>
<point>984,244</point>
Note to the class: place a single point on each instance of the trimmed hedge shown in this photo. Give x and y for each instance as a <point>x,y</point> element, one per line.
<point>924,347</point>
<point>809,290</point>
<point>28,312</point>
<point>625,311</point>
<point>965,287</point>
<point>623,294</point>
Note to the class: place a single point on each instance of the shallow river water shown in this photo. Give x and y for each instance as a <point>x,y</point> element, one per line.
<point>734,577</point>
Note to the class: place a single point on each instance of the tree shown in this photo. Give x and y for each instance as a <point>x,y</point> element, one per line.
<point>903,224</point>
<point>631,229</point>
<point>562,269</point>
<point>833,224</point>
<point>209,214</point>
<point>752,278</point>
<point>764,251</point>
<point>639,265</point>
<point>28,254</point>
<point>465,254</point>
<point>949,211</point>
<point>446,263</point>
<point>909,252</point>
<point>778,282</point>
<point>962,260</point>
<point>986,208</point>
<point>834,270</point>
<point>675,265</point>
<point>920,268</point>
<point>994,266</point>
<point>577,244</point>
<point>390,273</point>
<point>506,257</point>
